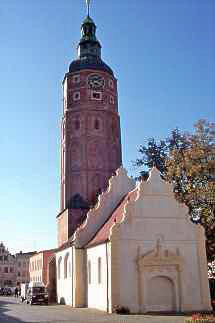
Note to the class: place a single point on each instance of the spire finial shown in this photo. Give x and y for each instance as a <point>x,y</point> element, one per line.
<point>88,7</point>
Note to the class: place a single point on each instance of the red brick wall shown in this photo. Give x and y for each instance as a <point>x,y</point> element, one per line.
<point>91,155</point>
<point>90,144</point>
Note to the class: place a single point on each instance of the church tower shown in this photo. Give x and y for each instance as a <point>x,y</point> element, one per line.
<point>90,131</point>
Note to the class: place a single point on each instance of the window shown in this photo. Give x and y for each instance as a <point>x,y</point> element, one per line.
<point>95,95</point>
<point>110,83</point>
<point>18,274</point>
<point>59,267</point>
<point>111,99</point>
<point>99,270</point>
<point>70,272</point>
<point>77,124</point>
<point>5,258</point>
<point>96,124</point>
<point>89,272</point>
<point>76,78</point>
<point>6,270</point>
<point>19,264</point>
<point>11,269</point>
<point>66,266</point>
<point>76,96</point>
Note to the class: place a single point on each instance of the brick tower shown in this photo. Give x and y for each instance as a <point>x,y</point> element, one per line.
<point>90,131</point>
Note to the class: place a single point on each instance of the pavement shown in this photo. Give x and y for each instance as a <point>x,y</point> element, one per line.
<point>13,311</point>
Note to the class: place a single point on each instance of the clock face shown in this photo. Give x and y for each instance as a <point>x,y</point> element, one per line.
<point>95,81</point>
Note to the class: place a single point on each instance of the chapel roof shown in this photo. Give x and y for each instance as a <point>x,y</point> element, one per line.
<point>116,216</point>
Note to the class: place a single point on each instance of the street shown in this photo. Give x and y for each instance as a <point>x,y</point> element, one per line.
<point>13,311</point>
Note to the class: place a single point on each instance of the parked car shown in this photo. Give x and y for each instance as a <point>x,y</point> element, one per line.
<point>36,293</point>
<point>8,291</point>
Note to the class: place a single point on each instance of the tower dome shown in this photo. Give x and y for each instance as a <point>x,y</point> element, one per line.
<point>89,50</point>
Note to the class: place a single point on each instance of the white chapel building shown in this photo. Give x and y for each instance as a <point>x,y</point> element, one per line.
<point>136,249</point>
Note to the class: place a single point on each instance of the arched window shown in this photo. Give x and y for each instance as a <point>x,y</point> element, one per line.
<point>89,272</point>
<point>70,272</point>
<point>59,267</point>
<point>66,266</point>
<point>77,124</point>
<point>96,124</point>
<point>99,270</point>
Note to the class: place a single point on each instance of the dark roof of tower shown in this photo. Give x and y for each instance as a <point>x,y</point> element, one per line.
<point>89,62</point>
<point>88,20</point>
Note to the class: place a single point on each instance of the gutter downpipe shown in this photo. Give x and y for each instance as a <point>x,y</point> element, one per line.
<point>72,278</point>
<point>107,267</point>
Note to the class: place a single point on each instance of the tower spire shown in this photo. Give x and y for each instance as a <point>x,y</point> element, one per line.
<point>88,7</point>
<point>88,45</point>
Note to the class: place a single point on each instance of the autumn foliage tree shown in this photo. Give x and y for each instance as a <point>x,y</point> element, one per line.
<point>188,162</point>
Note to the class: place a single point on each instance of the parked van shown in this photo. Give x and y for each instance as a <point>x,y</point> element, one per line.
<point>23,293</point>
<point>36,293</point>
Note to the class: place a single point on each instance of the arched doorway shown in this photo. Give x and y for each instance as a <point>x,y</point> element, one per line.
<point>52,279</point>
<point>161,294</point>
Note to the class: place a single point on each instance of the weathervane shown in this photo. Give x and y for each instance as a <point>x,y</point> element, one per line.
<point>88,7</point>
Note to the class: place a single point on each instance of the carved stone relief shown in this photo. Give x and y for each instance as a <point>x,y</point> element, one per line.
<point>158,268</point>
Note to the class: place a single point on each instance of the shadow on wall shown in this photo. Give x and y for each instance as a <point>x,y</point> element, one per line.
<point>3,310</point>
<point>62,301</point>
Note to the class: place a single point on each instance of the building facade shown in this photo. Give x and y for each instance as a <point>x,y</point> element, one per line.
<point>90,132</point>
<point>38,266</point>
<point>7,267</point>
<point>22,266</point>
<point>14,269</point>
<point>137,249</point>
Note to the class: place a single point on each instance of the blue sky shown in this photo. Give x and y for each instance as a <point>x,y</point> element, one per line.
<point>162,52</point>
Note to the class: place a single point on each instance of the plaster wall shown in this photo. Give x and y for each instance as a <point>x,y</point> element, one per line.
<point>36,268</point>
<point>64,284</point>
<point>156,239</point>
<point>119,186</point>
<point>97,291</point>
<point>80,278</point>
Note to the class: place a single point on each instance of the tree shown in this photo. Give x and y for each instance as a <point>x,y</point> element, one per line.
<point>188,162</point>
<point>192,172</point>
<point>153,154</point>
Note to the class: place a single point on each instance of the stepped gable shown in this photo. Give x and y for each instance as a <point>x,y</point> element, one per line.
<point>119,186</point>
<point>115,217</point>
<point>155,185</point>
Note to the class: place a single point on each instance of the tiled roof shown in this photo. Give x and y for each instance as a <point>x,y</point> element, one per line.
<point>116,216</point>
